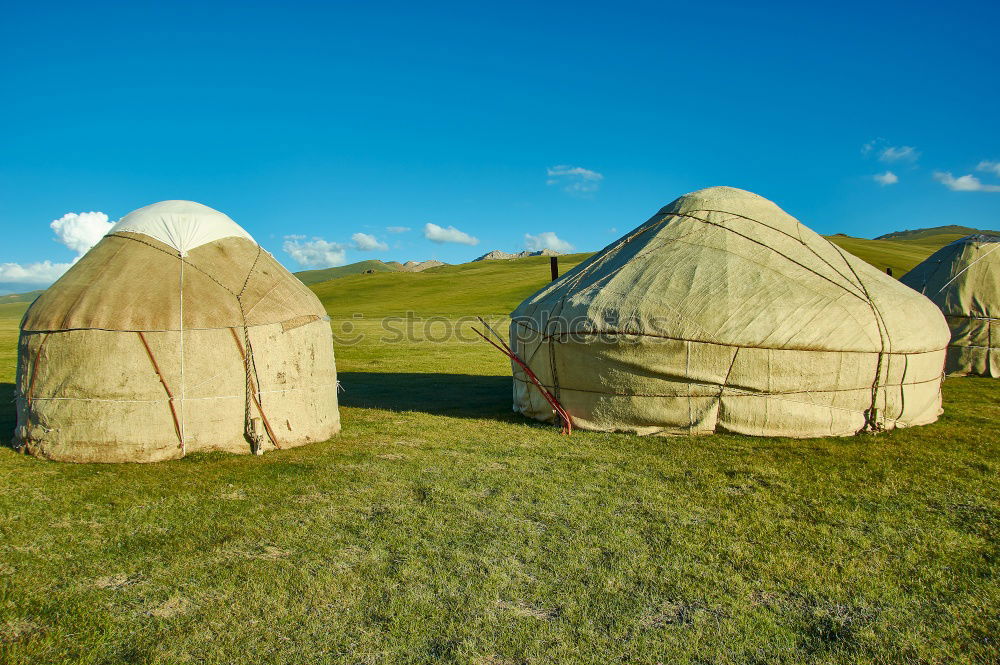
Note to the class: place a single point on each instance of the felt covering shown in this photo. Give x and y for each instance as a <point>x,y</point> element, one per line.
<point>963,279</point>
<point>141,352</point>
<point>724,313</point>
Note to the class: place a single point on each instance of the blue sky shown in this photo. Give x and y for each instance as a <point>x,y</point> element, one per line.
<point>512,124</point>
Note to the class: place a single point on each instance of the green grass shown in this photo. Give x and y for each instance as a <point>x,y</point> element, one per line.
<point>26,297</point>
<point>440,527</point>
<point>482,287</point>
<point>900,254</point>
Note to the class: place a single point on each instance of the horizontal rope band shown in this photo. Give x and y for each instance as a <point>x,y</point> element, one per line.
<point>186,399</point>
<point>587,333</point>
<point>323,318</point>
<point>739,392</point>
<point>780,397</point>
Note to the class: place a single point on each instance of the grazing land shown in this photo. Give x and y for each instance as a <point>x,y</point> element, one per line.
<point>902,253</point>
<point>26,297</point>
<point>441,527</point>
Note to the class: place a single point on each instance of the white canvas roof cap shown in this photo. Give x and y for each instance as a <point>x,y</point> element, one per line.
<point>184,225</point>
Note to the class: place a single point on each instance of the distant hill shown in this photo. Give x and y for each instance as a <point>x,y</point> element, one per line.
<point>921,234</point>
<point>364,267</point>
<point>499,255</point>
<point>901,250</point>
<point>315,276</point>
<point>478,287</point>
<point>28,297</point>
<point>900,256</point>
<point>415,266</point>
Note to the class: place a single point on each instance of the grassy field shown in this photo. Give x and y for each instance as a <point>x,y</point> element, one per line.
<point>440,527</point>
<point>26,297</point>
<point>899,254</point>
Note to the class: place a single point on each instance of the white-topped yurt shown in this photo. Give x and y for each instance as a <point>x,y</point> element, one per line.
<point>176,333</point>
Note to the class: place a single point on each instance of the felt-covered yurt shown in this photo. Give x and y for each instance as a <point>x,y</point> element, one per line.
<point>723,313</point>
<point>175,333</point>
<point>963,279</point>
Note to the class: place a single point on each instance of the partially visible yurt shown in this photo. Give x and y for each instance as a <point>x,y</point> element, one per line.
<point>963,279</point>
<point>723,313</point>
<point>176,333</point>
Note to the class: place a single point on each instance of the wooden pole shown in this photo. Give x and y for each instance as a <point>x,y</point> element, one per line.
<point>554,267</point>
<point>888,271</point>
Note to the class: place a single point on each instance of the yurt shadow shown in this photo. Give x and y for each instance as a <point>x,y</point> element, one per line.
<point>8,415</point>
<point>455,395</point>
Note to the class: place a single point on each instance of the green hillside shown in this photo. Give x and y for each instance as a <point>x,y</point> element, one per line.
<point>13,310</point>
<point>902,250</point>
<point>21,297</point>
<point>931,233</point>
<point>359,268</point>
<point>481,287</point>
<point>901,256</point>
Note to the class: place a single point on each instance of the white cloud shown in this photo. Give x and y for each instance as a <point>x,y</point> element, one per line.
<point>315,253</point>
<point>989,167</point>
<point>368,243</point>
<point>546,240</point>
<point>81,231</point>
<point>574,179</point>
<point>397,229</point>
<point>437,234</point>
<point>42,273</point>
<point>903,153</point>
<point>890,153</point>
<point>965,183</point>
<point>887,178</point>
<point>77,231</point>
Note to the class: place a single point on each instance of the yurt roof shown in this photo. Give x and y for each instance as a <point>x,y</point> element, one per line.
<point>726,266</point>
<point>169,266</point>
<point>182,225</point>
<point>962,278</point>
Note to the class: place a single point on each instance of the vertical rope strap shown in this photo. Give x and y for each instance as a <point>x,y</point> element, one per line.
<point>250,365</point>
<point>725,384</point>
<point>34,371</point>
<point>252,392</point>
<point>181,305</point>
<point>687,383</point>
<point>989,347</point>
<point>170,394</point>
<point>871,415</point>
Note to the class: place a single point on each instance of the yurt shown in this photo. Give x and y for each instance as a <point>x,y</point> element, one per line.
<point>176,333</point>
<point>963,279</point>
<point>723,313</point>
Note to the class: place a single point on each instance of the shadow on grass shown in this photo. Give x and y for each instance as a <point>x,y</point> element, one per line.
<point>8,415</point>
<point>456,395</point>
